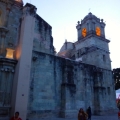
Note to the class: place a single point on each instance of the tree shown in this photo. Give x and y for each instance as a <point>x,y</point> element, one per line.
<point>116,76</point>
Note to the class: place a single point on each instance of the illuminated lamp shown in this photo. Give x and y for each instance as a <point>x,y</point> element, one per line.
<point>9,53</point>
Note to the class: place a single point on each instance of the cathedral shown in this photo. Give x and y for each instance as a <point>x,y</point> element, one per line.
<point>39,83</point>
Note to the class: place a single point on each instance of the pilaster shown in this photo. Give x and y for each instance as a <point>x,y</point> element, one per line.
<point>68,91</point>
<point>7,68</point>
<point>99,91</point>
<point>3,32</point>
<point>23,68</point>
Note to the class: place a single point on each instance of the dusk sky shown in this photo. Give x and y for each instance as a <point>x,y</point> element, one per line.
<point>63,15</point>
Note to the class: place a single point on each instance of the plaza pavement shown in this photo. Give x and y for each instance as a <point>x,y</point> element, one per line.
<point>110,117</point>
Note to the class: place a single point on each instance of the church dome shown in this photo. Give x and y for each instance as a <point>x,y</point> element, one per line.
<point>89,17</point>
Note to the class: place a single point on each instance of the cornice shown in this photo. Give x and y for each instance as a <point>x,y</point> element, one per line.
<point>7,1</point>
<point>81,39</point>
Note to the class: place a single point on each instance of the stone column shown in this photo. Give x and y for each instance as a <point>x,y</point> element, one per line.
<point>1,86</point>
<point>3,32</point>
<point>7,68</point>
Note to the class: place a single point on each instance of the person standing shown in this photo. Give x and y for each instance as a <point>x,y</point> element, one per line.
<point>89,113</point>
<point>16,116</point>
<point>81,115</point>
<point>119,115</point>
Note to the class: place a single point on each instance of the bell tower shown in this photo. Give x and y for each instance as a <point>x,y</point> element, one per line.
<point>92,46</point>
<point>90,25</point>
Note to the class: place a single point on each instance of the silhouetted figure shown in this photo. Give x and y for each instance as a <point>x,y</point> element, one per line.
<point>89,113</point>
<point>16,116</point>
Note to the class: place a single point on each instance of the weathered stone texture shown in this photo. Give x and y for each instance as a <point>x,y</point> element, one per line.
<point>43,40</point>
<point>59,87</point>
<point>45,85</point>
<point>44,96</point>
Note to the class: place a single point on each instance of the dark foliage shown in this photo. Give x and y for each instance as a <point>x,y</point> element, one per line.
<point>116,76</point>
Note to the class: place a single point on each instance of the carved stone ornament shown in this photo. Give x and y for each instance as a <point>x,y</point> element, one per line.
<point>3,31</point>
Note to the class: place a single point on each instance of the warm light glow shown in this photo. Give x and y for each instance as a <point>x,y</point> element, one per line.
<point>84,32</point>
<point>62,53</point>
<point>9,53</point>
<point>98,31</point>
<point>19,1</point>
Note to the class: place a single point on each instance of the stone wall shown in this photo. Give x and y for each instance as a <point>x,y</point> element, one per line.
<point>46,77</point>
<point>60,87</point>
<point>43,40</point>
<point>14,26</point>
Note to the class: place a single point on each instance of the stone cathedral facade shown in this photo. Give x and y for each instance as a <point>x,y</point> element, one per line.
<point>37,82</point>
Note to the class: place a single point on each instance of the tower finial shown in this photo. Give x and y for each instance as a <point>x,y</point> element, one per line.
<point>89,10</point>
<point>66,44</point>
<point>65,40</point>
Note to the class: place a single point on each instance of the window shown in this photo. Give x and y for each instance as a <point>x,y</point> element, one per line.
<point>78,54</point>
<point>108,90</point>
<point>104,58</point>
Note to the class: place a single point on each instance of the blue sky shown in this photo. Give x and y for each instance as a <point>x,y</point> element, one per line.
<point>63,15</point>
